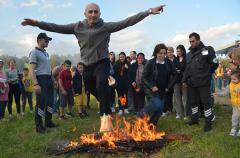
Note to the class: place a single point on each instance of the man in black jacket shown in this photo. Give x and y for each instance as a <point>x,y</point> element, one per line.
<point>201,63</point>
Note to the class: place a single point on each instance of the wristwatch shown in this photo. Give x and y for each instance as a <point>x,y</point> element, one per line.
<point>150,10</point>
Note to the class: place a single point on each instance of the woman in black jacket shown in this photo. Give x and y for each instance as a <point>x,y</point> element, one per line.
<point>180,91</point>
<point>135,80</point>
<point>112,92</point>
<point>121,76</point>
<point>156,78</point>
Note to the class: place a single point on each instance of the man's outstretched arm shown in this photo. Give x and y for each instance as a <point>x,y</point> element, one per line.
<point>116,26</point>
<point>65,29</point>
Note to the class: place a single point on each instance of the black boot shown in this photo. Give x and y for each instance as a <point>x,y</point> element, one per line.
<point>50,124</point>
<point>40,129</point>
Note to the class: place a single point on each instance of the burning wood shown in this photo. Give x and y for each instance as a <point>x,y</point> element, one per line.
<point>123,100</point>
<point>139,136</point>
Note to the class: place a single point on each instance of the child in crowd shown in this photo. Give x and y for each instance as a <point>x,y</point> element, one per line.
<point>234,90</point>
<point>65,90</point>
<point>80,92</point>
<point>28,88</point>
<point>4,88</point>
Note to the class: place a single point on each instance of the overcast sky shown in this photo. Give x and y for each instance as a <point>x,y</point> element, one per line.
<point>217,21</point>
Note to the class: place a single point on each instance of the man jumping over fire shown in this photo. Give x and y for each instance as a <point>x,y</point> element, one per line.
<point>93,35</point>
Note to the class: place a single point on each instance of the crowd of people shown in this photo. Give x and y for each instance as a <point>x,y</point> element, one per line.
<point>141,86</point>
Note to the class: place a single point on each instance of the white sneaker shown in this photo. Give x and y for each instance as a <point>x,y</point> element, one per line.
<point>113,109</point>
<point>126,111</point>
<point>178,116</point>
<point>164,114</point>
<point>185,118</point>
<point>233,132</point>
<point>31,111</point>
<point>120,112</point>
<point>23,113</point>
<point>213,119</point>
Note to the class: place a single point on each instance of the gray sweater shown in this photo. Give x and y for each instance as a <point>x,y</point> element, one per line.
<point>93,41</point>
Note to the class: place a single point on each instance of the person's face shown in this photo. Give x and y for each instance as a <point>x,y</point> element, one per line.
<point>67,67</point>
<point>122,58</point>
<point>80,68</point>
<point>233,66</point>
<point>111,56</point>
<point>12,64</point>
<point>161,54</point>
<point>132,56</point>
<point>170,53</point>
<point>140,59</point>
<point>43,43</point>
<point>194,42</point>
<point>179,52</point>
<point>25,73</point>
<point>92,13</point>
<point>234,79</point>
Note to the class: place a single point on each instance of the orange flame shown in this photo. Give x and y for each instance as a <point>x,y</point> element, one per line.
<point>123,100</point>
<point>140,130</point>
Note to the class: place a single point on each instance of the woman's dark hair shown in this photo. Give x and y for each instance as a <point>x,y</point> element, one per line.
<point>122,53</point>
<point>182,48</point>
<point>141,54</point>
<point>157,48</point>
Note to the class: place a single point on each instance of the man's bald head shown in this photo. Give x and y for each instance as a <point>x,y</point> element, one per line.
<point>92,5</point>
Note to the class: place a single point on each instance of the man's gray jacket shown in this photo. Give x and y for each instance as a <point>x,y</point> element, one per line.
<point>93,41</point>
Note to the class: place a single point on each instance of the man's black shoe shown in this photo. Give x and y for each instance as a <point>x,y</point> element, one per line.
<point>40,129</point>
<point>51,125</point>
<point>192,122</point>
<point>207,127</point>
<point>82,115</point>
<point>85,113</point>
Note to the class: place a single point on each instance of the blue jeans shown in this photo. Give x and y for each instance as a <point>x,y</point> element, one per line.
<point>154,109</point>
<point>219,83</point>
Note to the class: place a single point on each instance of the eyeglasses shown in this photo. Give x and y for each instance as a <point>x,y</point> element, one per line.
<point>93,11</point>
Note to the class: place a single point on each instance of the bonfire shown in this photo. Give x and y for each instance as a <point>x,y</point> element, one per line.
<point>139,136</point>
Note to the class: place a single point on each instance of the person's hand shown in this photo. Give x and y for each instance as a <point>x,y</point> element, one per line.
<point>134,84</point>
<point>64,92</point>
<point>30,22</point>
<point>126,66</point>
<point>157,10</point>
<point>137,89</point>
<point>154,89</point>
<point>184,85</point>
<point>76,94</point>
<point>166,90</point>
<point>37,89</point>
<point>215,94</point>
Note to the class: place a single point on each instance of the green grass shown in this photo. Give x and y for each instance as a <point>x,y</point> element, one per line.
<point>18,138</point>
